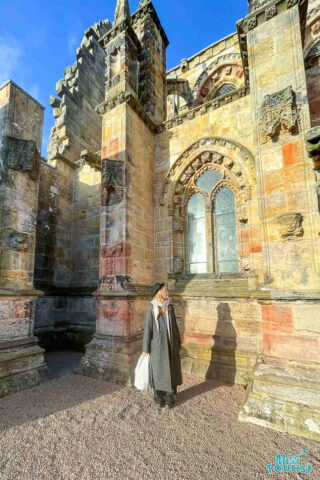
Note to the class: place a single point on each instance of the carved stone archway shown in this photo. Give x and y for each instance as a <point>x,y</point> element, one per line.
<point>226,69</point>
<point>234,162</point>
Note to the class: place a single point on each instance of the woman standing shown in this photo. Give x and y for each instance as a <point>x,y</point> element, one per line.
<point>161,339</point>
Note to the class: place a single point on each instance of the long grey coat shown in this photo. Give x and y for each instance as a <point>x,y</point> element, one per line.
<point>155,343</point>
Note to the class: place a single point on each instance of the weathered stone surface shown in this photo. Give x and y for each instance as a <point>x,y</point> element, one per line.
<point>128,151</point>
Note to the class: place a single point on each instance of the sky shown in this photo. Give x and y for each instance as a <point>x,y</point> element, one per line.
<point>39,38</point>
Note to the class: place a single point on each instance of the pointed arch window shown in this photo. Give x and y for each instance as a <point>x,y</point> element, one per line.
<point>212,232</point>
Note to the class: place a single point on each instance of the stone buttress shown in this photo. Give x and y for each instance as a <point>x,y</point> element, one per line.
<point>134,103</point>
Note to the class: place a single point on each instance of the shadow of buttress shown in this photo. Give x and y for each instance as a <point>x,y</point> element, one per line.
<point>222,367</point>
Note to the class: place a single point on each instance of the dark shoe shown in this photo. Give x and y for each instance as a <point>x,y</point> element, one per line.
<point>168,406</point>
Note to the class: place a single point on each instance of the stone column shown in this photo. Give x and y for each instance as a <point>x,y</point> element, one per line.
<point>21,121</point>
<point>284,391</point>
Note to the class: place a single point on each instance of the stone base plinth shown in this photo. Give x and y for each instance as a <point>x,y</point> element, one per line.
<point>111,358</point>
<point>284,395</point>
<point>223,365</point>
<point>22,365</point>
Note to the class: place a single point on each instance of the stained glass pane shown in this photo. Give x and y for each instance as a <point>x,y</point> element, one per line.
<point>224,90</point>
<point>197,234</point>
<point>208,180</point>
<point>226,232</point>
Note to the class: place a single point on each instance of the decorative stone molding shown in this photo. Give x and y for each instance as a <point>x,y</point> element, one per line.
<point>271,12</point>
<point>264,10</point>
<point>130,99</point>
<point>312,139</point>
<point>290,225</point>
<point>278,110</point>
<point>313,12</point>
<point>115,283</point>
<point>21,155</point>
<point>257,4</point>
<point>223,61</point>
<point>234,162</point>
<point>202,109</point>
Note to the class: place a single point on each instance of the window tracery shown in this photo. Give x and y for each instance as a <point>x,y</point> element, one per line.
<point>207,193</point>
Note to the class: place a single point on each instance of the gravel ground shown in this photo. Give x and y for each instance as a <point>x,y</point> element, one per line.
<point>77,428</point>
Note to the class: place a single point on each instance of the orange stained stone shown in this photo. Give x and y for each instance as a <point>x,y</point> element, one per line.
<point>292,347</point>
<point>292,153</point>
<point>277,318</point>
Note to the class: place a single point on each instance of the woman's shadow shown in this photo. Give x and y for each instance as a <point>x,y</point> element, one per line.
<point>222,367</point>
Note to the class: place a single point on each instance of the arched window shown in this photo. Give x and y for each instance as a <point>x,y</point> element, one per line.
<point>226,231</point>
<point>226,88</point>
<point>197,234</point>
<point>212,233</point>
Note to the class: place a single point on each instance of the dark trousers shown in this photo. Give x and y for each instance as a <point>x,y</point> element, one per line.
<point>161,397</point>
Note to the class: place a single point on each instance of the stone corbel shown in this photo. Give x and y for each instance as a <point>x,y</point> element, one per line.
<point>290,226</point>
<point>92,159</point>
<point>312,139</point>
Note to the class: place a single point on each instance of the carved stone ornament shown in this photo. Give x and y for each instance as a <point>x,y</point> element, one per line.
<point>113,173</point>
<point>312,139</point>
<point>113,181</point>
<point>290,225</point>
<point>18,241</point>
<point>115,283</point>
<point>216,153</point>
<point>271,12</point>
<point>256,4</point>
<point>278,110</point>
<point>21,155</point>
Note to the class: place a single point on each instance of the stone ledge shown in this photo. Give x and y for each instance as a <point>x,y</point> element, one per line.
<point>284,395</point>
<point>203,109</point>
<point>130,99</point>
<point>20,293</point>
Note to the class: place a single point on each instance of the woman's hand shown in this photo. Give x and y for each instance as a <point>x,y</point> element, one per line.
<point>145,354</point>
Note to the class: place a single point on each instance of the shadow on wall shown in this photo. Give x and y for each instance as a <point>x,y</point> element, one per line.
<point>223,361</point>
<point>222,368</point>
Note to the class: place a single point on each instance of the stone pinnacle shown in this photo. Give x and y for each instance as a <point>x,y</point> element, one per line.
<point>143,3</point>
<point>122,11</point>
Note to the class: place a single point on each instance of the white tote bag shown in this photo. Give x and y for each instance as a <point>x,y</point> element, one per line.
<point>142,373</point>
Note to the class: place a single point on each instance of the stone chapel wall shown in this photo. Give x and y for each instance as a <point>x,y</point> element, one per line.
<point>69,214</point>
